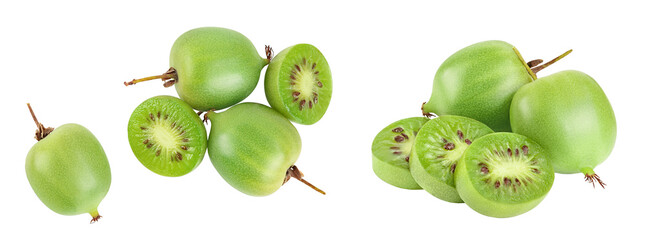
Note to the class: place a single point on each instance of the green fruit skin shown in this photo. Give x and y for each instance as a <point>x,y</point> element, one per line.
<point>272,86</point>
<point>216,67</point>
<point>69,170</point>
<point>252,146</point>
<point>479,202</point>
<point>394,175</point>
<point>432,185</point>
<point>569,115</point>
<point>479,82</point>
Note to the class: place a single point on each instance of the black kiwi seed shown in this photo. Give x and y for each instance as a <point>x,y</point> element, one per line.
<point>449,146</point>
<point>399,138</point>
<point>525,150</point>
<point>398,129</point>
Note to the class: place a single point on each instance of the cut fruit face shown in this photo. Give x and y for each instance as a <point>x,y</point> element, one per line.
<point>504,175</point>
<point>391,152</point>
<point>439,146</point>
<point>298,84</point>
<point>167,136</point>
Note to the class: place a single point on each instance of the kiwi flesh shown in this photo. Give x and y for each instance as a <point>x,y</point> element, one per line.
<point>167,136</point>
<point>437,149</point>
<point>391,152</point>
<point>298,84</point>
<point>503,175</point>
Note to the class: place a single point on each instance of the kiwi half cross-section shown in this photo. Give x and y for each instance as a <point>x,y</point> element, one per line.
<point>167,136</point>
<point>391,152</point>
<point>298,84</point>
<point>437,149</point>
<point>503,175</point>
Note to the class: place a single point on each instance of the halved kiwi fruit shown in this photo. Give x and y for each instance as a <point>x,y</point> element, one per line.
<point>298,84</point>
<point>391,152</point>
<point>503,175</point>
<point>167,136</point>
<point>437,149</point>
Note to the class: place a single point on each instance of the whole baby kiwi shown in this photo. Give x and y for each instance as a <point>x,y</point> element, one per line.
<point>254,148</point>
<point>68,169</point>
<point>212,68</point>
<point>479,82</point>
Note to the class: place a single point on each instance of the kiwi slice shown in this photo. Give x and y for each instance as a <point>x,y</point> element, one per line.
<point>391,152</point>
<point>503,175</point>
<point>167,136</point>
<point>298,84</point>
<point>437,149</point>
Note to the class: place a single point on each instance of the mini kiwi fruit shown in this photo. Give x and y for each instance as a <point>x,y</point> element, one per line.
<point>504,175</point>
<point>391,152</point>
<point>437,149</point>
<point>212,68</point>
<point>254,148</point>
<point>167,136</point>
<point>298,84</point>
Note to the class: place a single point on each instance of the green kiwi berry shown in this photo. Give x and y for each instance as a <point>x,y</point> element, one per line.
<point>212,68</point>
<point>68,169</point>
<point>503,175</point>
<point>298,84</point>
<point>438,148</point>
<point>391,152</point>
<point>254,148</point>
<point>569,115</point>
<point>167,136</point>
<point>479,82</point>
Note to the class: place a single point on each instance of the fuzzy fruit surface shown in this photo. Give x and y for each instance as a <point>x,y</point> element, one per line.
<point>252,146</point>
<point>479,81</point>
<point>298,84</point>
<point>570,116</point>
<point>69,170</point>
<point>216,67</point>
<point>503,175</point>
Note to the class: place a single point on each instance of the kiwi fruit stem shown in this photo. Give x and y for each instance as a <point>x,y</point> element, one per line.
<point>42,131</point>
<point>293,172</point>
<point>95,216</point>
<point>169,78</point>
<point>592,177</point>
<point>543,66</point>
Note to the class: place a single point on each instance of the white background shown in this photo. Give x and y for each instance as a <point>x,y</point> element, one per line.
<point>69,61</point>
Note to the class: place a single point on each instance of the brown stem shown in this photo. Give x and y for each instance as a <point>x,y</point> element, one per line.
<point>426,114</point>
<point>169,78</point>
<point>269,52</point>
<point>295,173</point>
<point>543,66</point>
<point>534,63</point>
<point>95,219</point>
<point>42,131</point>
<point>593,178</point>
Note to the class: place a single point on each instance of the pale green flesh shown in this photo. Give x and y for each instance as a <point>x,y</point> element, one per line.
<point>252,146</point>
<point>69,171</point>
<point>569,115</point>
<point>514,181</point>
<point>173,129</point>
<point>388,155</point>
<point>479,82</point>
<point>431,163</point>
<point>283,78</point>
<point>216,67</point>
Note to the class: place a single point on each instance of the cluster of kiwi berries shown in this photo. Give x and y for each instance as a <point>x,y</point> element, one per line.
<point>493,134</point>
<point>252,146</point>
